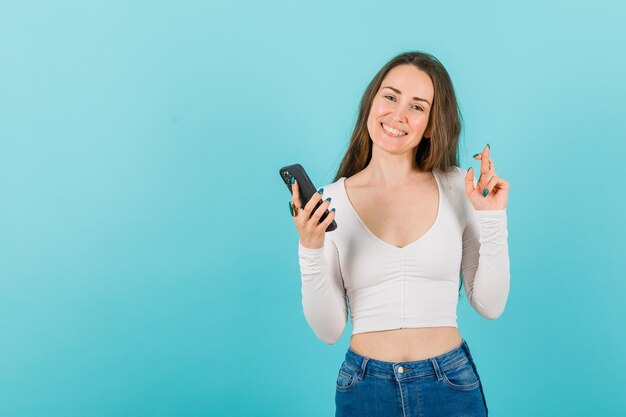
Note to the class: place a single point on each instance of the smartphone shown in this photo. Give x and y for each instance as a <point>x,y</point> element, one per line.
<point>307,189</point>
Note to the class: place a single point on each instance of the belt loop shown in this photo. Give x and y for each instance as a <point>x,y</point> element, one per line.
<point>437,370</point>
<point>466,348</point>
<point>363,366</point>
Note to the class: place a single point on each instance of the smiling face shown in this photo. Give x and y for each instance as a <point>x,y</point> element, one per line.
<point>399,114</point>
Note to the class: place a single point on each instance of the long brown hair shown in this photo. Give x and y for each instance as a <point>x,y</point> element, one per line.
<point>440,150</point>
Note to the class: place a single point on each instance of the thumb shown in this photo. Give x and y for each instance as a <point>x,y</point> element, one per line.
<point>469,181</point>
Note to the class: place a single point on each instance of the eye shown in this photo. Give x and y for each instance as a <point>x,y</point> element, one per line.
<point>420,108</point>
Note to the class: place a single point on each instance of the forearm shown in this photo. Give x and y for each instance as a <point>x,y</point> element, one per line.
<point>323,295</point>
<point>488,280</point>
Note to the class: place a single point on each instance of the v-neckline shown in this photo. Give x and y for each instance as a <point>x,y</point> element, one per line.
<point>420,238</point>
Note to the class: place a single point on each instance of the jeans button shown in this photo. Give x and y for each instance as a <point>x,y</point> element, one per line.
<point>400,370</point>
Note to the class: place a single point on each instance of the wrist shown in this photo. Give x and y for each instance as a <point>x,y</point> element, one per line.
<point>313,245</point>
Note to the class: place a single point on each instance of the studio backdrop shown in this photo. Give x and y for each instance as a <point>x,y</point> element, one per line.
<point>148,259</point>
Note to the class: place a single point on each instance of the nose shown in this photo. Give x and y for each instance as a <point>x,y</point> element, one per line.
<point>399,114</point>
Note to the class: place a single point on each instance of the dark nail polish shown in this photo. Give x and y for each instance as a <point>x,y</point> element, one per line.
<point>485,192</point>
<point>469,169</point>
<point>475,155</point>
<point>321,190</point>
<point>290,208</point>
<point>328,199</point>
<point>489,146</point>
<point>332,209</point>
<point>293,179</point>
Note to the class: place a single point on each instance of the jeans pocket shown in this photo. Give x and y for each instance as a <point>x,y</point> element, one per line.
<point>462,377</point>
<point>346,379</point>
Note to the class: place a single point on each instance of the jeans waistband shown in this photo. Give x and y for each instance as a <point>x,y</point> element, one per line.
<point>411,369</point>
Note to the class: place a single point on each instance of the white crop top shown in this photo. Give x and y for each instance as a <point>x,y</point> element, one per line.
<point>414,286</point>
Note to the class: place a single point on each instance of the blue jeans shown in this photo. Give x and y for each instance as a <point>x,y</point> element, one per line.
<point>445,385</point>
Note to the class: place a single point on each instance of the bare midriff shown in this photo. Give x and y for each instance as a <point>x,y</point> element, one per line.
<point>404,345</point>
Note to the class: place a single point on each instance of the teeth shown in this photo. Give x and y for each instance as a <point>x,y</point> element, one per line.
<point>393,131</point>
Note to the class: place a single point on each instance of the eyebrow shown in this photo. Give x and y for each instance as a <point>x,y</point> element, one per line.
<point>414,98</point>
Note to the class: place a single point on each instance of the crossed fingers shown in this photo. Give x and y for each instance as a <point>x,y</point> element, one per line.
<point>488,177</point>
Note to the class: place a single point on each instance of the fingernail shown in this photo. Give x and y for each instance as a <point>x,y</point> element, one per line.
<point>485,192</point>
<point>328,199</point>
<point>293,179</point>
<point>475,155</point>
<point>321,190</point>
<point>290,208</point>
<point>489,146</point>
<point>469,169</point>
<point>332,209</point>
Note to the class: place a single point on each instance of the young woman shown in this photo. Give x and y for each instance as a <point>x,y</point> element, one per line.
<point>412,228</point>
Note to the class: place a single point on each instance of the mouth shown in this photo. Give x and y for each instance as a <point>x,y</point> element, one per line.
<point>394,133</point>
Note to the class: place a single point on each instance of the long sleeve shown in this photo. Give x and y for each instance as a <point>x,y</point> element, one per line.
<point>485,261</point>
<point>323,292</point>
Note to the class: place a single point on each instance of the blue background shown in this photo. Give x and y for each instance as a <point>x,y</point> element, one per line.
<point>148,261</point>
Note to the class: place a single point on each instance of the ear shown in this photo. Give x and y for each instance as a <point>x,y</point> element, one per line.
<point>428,132</point>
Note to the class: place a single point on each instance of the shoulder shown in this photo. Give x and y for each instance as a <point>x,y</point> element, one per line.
<point>453,178</point>
<point>332,189</point>
<point>453,184</point>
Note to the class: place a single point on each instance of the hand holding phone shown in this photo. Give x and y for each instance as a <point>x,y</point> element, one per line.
<point>313,218</point>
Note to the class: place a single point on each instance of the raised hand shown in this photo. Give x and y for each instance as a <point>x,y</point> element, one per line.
<point>491,191</point>
<point>311,230</point>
